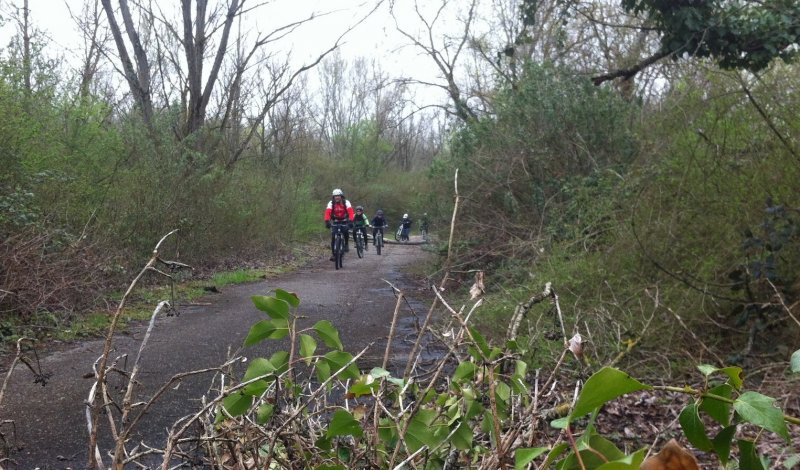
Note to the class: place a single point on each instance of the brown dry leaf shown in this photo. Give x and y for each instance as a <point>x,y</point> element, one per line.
<point>671,457</point>
<point>576,346</point>
<point>360,411</point>
<point>478,288</point>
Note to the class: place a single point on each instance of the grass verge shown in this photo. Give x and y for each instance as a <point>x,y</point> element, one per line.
<point>64,327</point>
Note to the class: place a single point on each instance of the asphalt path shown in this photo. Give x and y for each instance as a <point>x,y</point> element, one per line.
<point>45,426</point>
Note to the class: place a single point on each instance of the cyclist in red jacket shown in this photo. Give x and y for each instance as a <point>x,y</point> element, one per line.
<point>339,211</point>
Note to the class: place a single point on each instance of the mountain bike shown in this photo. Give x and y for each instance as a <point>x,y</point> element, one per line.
<point>379,239</point>
<point>358,236</point>
<point>402,234</point>
<point>338,243</point>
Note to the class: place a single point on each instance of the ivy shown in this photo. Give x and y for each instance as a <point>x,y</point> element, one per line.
<point>738,35</point>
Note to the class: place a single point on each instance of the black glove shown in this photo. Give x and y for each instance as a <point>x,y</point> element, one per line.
<point>327,224</point>
<point>350,225</point>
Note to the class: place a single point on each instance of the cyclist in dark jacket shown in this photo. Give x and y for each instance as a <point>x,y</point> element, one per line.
<point>339,211</point>
<point>378,222</point>
<point>360,223</point>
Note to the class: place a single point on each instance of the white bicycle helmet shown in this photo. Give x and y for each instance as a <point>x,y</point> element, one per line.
<point>338,192</point>
<point>405,216</point>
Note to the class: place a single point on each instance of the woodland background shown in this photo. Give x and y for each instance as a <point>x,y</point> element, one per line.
<point>642,156</point>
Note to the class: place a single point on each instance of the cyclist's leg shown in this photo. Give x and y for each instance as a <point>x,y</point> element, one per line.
<point>333,241</point>
<point>346,240</point>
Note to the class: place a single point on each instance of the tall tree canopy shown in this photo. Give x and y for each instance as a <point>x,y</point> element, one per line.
<point>736,34</point>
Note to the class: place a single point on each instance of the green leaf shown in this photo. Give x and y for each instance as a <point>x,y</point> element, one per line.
<point>379,373</point>
<point>735,376</point>
<point>422,431</point>
<point>462,437</point>
<point>525,455</point>
<point>733,373</point>
<point>397,381</point>
<point>502,393</point>
<point>760,410</point>
<point>706,369</point>
<point>518,379</point>
<point>329,334</point>
<point>629,462</point>
<point>748,457</point>
<point>275,308</point>
<point>267,329</point>
<point>258,367</point>
<point>554,453</point>
<point>280,360</point>
<point>364,386</point>
<point>474,408</point>
<point>323,443</point>
<point>796,362</point>
<point>339,359</point>
<point>289,297</point>
<point>387,431</point>
<point>719,410</point>
<point>605,447</point>
<point>323,370</point>
<point>480,342</point>
<point>464,371</point>
<point>307,347</point>
<point>594,453</point>
<point>605,385</point>
<point>344,424</point>
<point>722,443</point>
<point>237,403</point>
<point>264,413</point>
<point>791,462</point>
<point>256,389</point>
<point>560,423</point>
<point>693,428</point>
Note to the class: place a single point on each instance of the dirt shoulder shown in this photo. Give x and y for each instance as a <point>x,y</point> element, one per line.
<point>45,426</point>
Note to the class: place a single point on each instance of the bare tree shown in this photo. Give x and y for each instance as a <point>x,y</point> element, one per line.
<point>95,36</point>
<point>26,47</point>
<point>204,60</point>
<point>138,78</point>
<point>445,53</point>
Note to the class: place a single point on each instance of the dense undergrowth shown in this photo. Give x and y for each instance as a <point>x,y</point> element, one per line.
<point>677,230</point>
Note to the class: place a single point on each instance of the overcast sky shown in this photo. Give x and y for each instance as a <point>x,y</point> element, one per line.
<point>376,37</point>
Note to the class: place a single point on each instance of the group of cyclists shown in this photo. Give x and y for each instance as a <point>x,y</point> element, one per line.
<point>340,211</point>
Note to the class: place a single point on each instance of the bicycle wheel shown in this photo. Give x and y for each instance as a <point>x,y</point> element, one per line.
<point>360,244</point>
<point>338,251</point>
<point>398,234</point>
<point>378,243</point>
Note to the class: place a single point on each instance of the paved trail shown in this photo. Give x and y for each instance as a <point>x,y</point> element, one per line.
<point>49,425</point>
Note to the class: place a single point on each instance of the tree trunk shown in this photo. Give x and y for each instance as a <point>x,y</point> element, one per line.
<point>26,48</point>
<point>194,47</point>
<point>138,79</point>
